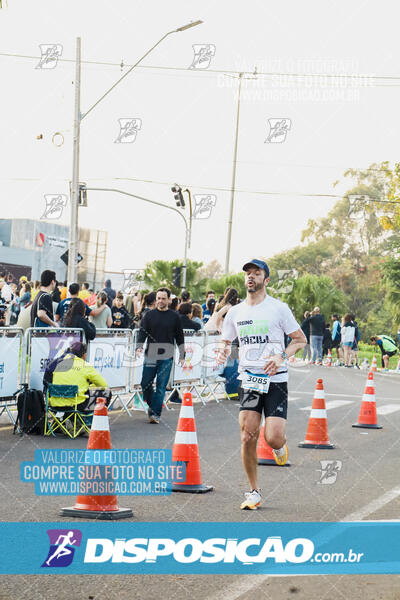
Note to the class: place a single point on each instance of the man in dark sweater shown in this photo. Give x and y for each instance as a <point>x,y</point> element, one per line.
<point>161,328</point>
<point>317,326</point>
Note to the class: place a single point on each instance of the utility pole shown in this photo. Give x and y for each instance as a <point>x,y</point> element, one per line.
<point>73,229</point>
<point>228,243</point>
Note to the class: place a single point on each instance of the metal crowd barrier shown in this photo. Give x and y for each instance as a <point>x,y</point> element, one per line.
<point>109,353</point>
<point>11,357</point>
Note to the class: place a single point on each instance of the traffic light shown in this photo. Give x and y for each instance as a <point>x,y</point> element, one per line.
<point>179,199</point>
<point>176,276</point>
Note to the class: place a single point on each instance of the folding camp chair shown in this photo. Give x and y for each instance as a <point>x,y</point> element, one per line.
<point>66,419</point>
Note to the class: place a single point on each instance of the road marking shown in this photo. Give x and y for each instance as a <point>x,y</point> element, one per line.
<point>293,398</point>
<point>373,506</point>
<point>359,396</point>
<point>332,404</point>
<point>252,581</point>
<point>386,409</point>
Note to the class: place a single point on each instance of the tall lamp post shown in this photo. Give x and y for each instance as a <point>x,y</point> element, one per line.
<point>78,117</point>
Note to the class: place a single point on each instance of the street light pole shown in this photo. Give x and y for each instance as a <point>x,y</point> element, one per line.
<point>187,227</point>
<point>228,243</point>
<point>73,227</point>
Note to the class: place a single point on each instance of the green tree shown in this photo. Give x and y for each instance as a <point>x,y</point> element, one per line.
<point>159,273</point>
<point>235,280</point>
<point>312,290</point>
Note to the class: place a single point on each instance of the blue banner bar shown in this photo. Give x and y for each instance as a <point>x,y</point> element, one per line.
<point>203,548</point>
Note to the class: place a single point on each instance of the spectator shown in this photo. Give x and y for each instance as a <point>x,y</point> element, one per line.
<point>25,295</point>
<point>72,369</point>
<point>174,303</point>
<point>109,291</point>
<point>56,295</point>
<point>75,318</point>
<point>387,346</point>
<point>209,310</point>
<point>197,314</point>
<point>305,326</point>
<point>148,303</point>
<point>317,326</point>
<point>64,305</point>
<point>92,300</point>
<point>327,340</point>
<point>354,348</point>
<point>119,313</point>
<point>6,291</point>
<point>64,290</point>
<point>42,307</point>
<point>230,298</point>
<point>103,319</point>
<point>84,292</point>
<point>347,332</point>
<point>337,337</point>
<point>185,296</point>
<point>210,294</point>
<point>185,315</point>
<point>35,289</point>
<point>130,304</point>
<point>162,328</point>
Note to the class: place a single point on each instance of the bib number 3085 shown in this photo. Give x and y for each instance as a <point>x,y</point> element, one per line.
<point>258,383</point>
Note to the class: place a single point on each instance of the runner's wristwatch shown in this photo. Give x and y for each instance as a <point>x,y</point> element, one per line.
<point>284,355</point>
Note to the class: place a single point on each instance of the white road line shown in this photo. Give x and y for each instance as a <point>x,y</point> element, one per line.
<point>292,398</point>
<point>333,404</point>
<point>386,409</point>
<point>341,395</point>
<point>253,581</point>
<point>373,506</point>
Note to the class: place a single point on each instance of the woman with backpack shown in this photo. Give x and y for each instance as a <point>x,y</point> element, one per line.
<point>75,317</point>
<point>348,332</point>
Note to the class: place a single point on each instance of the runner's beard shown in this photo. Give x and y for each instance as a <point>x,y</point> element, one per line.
<point>256,288</point>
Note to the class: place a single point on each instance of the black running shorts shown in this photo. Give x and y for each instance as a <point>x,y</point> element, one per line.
<point>273,403</point>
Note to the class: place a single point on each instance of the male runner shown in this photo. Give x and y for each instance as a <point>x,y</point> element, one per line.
<point>260,323</point>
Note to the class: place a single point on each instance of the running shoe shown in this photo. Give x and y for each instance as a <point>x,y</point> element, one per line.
<point>154,419</point>
<point>282,458</point>
<point>252,502</point>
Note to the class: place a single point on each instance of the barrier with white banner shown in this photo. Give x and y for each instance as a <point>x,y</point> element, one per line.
<point>44,344</point>
<point>136,372</point>
<point>211,377</point>
<point>109,354</point>
<point>10,367</point>
<point>188,374</point>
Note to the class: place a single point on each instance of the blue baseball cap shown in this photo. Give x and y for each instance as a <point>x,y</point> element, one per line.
<point>260,264</point>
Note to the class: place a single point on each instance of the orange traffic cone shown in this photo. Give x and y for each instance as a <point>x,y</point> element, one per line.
<point>317,432</point>
<point>264,452</point>
<point>374,366</point>
<point>186,450</point>
<point>329,359</point>
<point>367,417</point>
<point>98,507</point>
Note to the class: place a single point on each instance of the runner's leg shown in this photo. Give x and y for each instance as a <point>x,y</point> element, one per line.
<point>249,421</point>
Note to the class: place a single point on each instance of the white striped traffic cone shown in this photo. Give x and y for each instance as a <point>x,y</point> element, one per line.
<point>317,431</point>
<point>374,366</point>
<point>367,417</point>
<point>186,450</point>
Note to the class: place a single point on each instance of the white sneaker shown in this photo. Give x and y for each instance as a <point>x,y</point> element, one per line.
<point>252,502</point>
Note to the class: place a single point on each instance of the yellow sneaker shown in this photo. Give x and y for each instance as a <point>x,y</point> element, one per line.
<point>252,502</point>
<point>281,459</point>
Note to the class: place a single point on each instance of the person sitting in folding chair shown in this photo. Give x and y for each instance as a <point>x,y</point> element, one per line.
<point>71,369</point>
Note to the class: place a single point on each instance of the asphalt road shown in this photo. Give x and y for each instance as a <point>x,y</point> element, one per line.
<point>370,461</point>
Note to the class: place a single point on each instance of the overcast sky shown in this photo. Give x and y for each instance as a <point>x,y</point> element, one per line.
<point>188,116</point>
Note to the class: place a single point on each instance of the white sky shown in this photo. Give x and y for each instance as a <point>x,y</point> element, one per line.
<point>188,117</point>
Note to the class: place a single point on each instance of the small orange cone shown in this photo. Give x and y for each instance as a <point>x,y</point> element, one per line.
<point>374,366</point>
<point>367,417</point>
<point>186,450</point>
<point>317,431</point>
<point>98,507</point>
<point>264,452</point>
<point>329,359</point>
